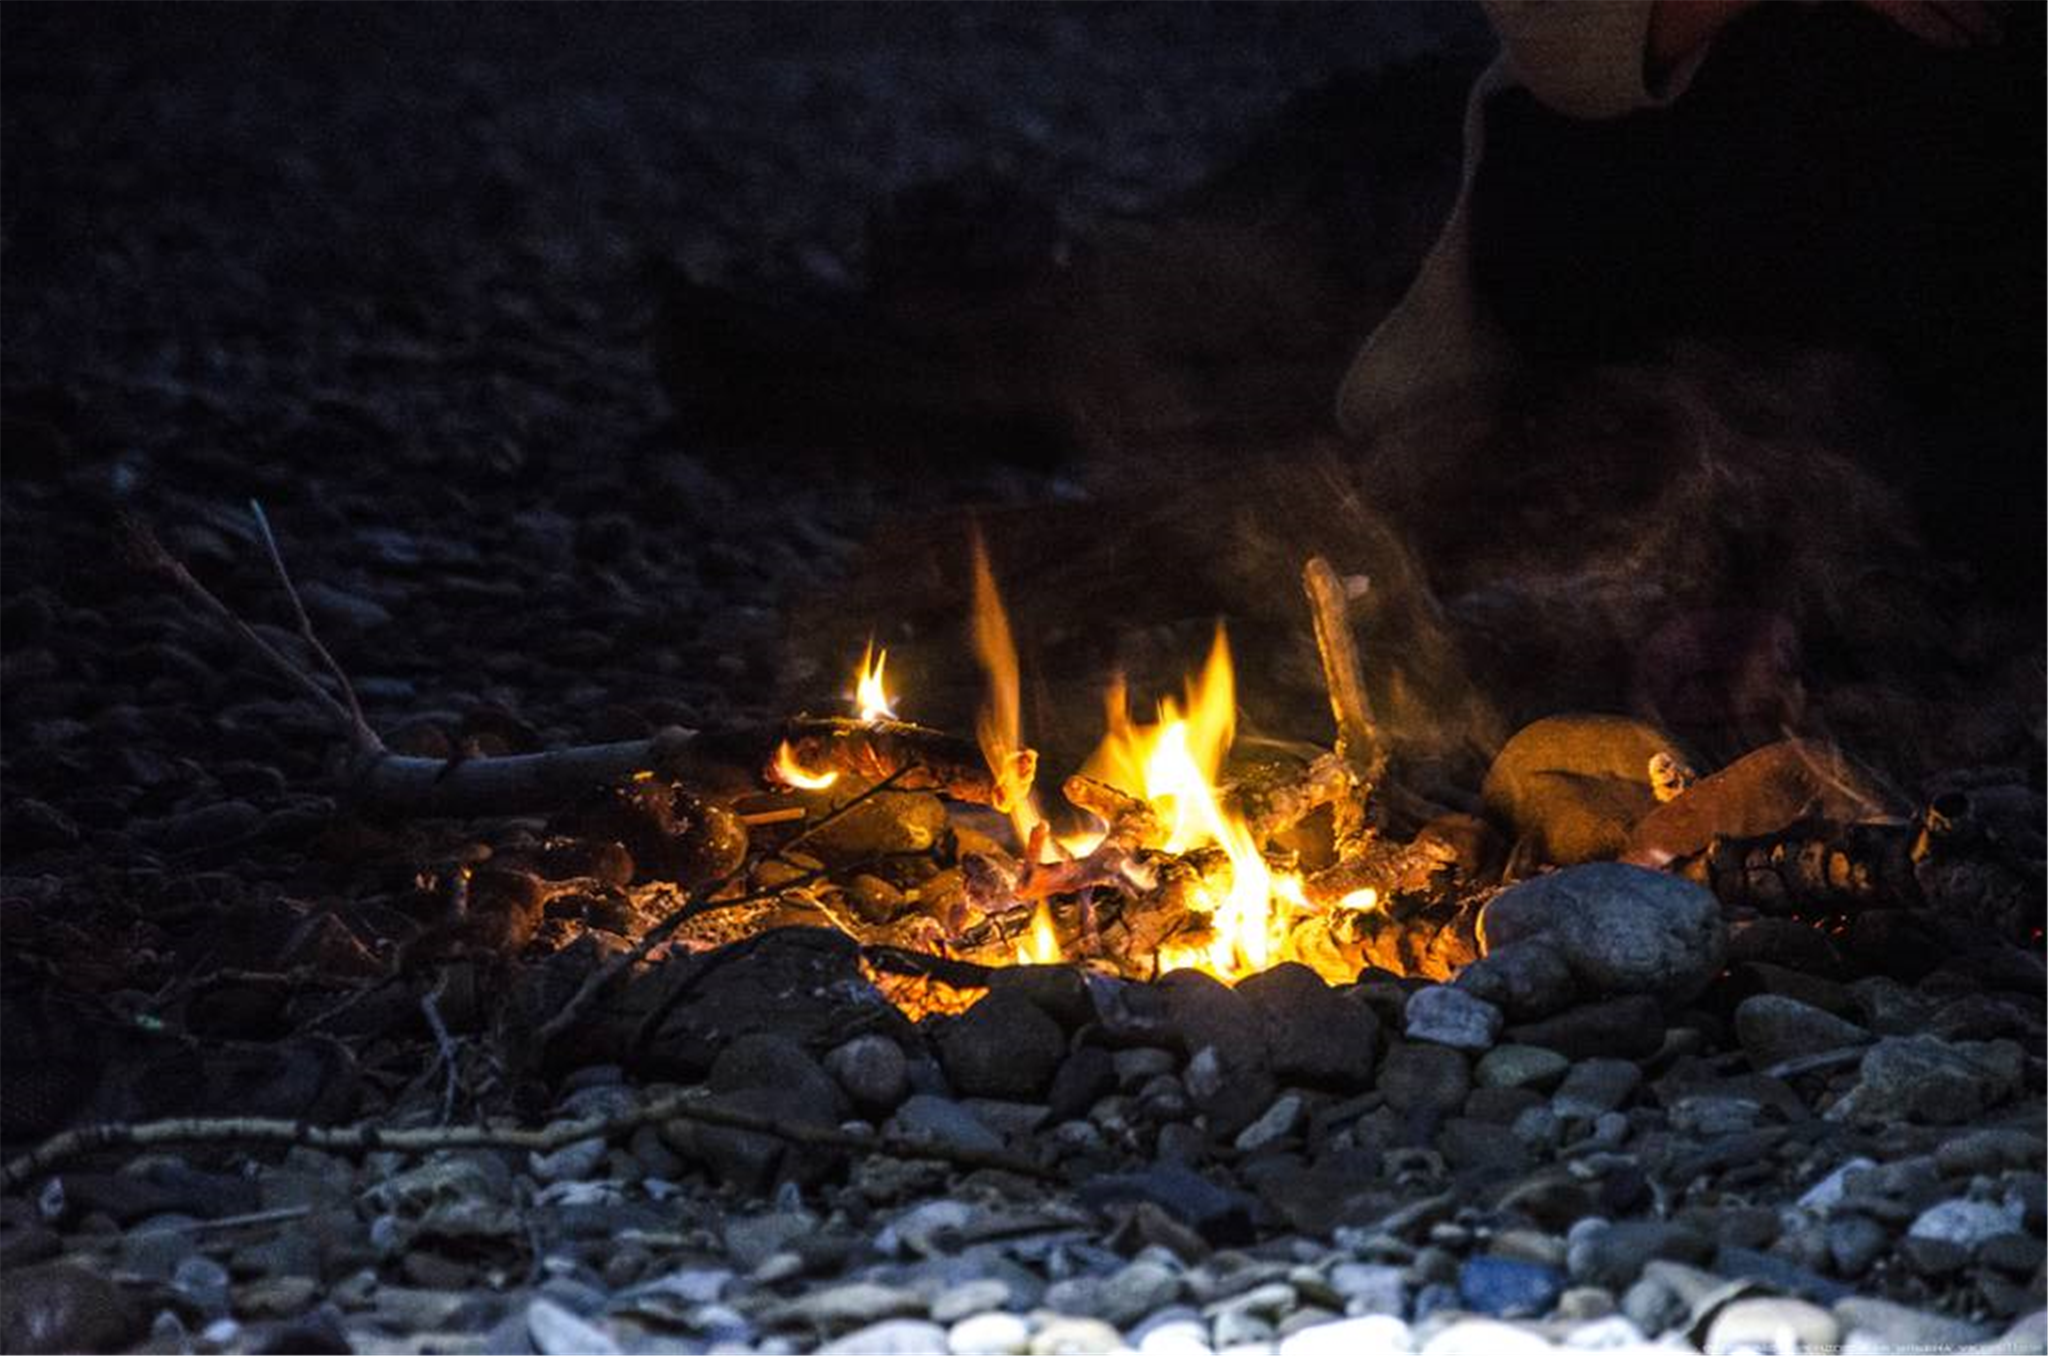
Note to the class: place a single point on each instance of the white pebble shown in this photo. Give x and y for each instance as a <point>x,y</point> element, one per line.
<point>1372,1335</point>
<point>992,1334</point>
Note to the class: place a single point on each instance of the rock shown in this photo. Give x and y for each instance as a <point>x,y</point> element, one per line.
<point>1444,1014</point>
<point>1520,1066</point>
<point>202,1283</point>
<point>1777,1272</point>
<point>1589,1305</point>
<point>1206,1014</point>
<point>1370,1288</point>
<point>1612,1257</point>
<point>2012,1251</point>
<point>1485,1337</point>
<point>1621,929</point>
<point>1368,1335</point>
<point>1989,1151</point>
<point>1314,1035</point>
<point>1710,1117</point>
<point>1933,1257</point>
<point>1138,1066</point>
<point>1085,1078</point>
<point>799,984</point>
<point>276,1297</point>
<point>1626,1028</point>
<point>1474,1144</point>
<point>1504,1288</point>
<point>992,1334</point>
<point>556,1331</point>
<point>1771,1325</point>
<point>852,1304</point>
<point>1425,1078</point>
<point>1875,1325</point>
<point>1966,1223</point>
<point>1772,1028</point>
<point>1004,1047</point>
<point>1855,1242</point>
<point>1595,1087</point>
<point>61,1306</point>
<point>943,1122</point>
<point>570,1163</point>
<point>771,1076</point>
<point>1059,991</point>
<point>1137,1290</point>
<point>872,1071</point>
<point>1765,791</point>
<point>1574,785</point>
<point>1278,1122</point>
<point>1066,1336</point>
<point>1219,1214</point>
<point>890,1337</point>
<point>1525,980</point>
<point>1931,1081</point>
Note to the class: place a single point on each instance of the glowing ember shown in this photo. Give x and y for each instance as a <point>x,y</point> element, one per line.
<point>791,773</point>
<point>868,694</point>
<point>1361,901</point>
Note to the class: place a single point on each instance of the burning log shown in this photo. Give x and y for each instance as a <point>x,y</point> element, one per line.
<point>1358,739</point>
<point>916,757</point>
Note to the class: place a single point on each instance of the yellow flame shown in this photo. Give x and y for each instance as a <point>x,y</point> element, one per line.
<point>999,726</point>
<point>875,703</point>
<point>1044,948</point>
<point>791,773</point>
<point>1361,901</point>
<point>1174,764</point>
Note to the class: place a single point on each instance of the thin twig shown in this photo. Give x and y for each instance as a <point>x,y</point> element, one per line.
<point>696,906</point>
<point>365,738</point>
<point>365,1139</point>
<point>444,1044</point>
<point>150,554</point>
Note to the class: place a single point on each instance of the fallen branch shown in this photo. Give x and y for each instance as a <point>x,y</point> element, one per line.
<point>1358,739</point>
<point>356,1140</point>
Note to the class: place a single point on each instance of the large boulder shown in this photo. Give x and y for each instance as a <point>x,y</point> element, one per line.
<point>1621,929</point>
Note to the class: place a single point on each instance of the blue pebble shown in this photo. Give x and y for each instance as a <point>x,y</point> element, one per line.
<point>1506,1288</point>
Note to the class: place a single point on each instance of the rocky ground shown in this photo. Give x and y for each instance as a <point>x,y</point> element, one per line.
<point>393,273</point>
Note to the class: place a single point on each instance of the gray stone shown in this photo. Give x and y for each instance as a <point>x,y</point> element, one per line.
<point>555,1331</point>
<point>890,1337</point>
<point>570,1163</point>
<point>1595,1087</point>
<point>61,1306</point>
<point>969,1298</point>
<point>1526,980</point>
<point>1315,1036</point>
<point>1086,1077</point>
<point>1370,1288</point>
<point>1855,1242</point>
<point>1447,1015</point>
<point>1003,1047</point>
<point>1875,1325</point>
<point>943,1122</point>
<point>1630,1027</point>
<point>1989,1151</point>
<point>1613,1256</point>
<point>1485,1337</point>
<point>753,1239</point>
<point>1141,1064</point>
<point>1278,1122</point>
<point>1520,1066</point>
<point>1137,1290</point>
<point>1466,1143</point>
<point>203,1283</point>
<point>1425,1078</point>
<point>872,1071</point>
<point>1966,1223</point>
<point>772,1076</point>
<point>1621,929</point>
<point>1710,1117</point>
<point>853,1304</point>
<point>1931,1081</point>
<point>1773,1028</point>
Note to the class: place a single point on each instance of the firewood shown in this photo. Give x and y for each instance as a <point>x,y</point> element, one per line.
<point>1358,738</point>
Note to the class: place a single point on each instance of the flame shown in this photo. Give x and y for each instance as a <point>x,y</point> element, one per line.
<point>1174,764</point>
<point>999,726</point>
<point>791,773</point>
<point>1361,901</point>
<point>1045,943</point>
<point>875,703</point>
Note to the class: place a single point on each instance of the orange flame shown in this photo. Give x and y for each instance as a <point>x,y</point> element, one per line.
<point>791,773</point>
<point>875,703</point>
<point>1045,942</point>
<point>999,726</point>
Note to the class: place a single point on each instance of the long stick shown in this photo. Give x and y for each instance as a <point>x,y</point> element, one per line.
<point>355,1140</point>
<point>1358,737</point>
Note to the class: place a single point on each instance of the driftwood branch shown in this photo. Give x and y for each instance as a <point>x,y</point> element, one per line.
<point>364,737</point>
<point>1358,738</point>
<point>356,1140</point>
